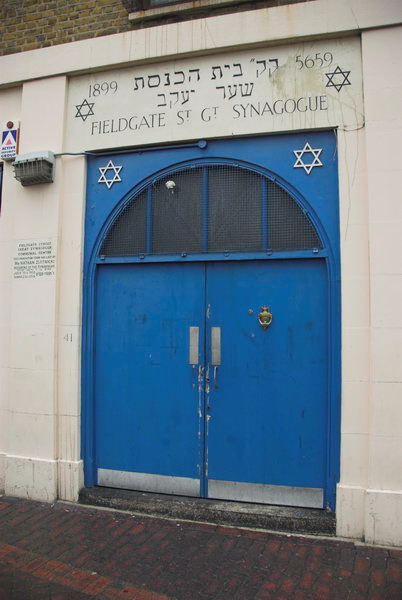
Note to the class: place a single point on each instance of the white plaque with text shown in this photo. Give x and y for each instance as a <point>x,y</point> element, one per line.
<point>34,259</point>
<point>285,88</point>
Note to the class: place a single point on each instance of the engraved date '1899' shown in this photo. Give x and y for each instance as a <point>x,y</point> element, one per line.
<point>103,88</point>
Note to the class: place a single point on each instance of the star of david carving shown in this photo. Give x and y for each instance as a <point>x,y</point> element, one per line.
<point>338,79</point>
<point>313,152</point>
<point>115,178</point>
<point>84,105</point>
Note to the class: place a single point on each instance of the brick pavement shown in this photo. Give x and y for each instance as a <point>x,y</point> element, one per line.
<point>69,552</point>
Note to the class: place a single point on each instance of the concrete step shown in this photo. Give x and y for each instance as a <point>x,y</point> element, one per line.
<point>237,514</point>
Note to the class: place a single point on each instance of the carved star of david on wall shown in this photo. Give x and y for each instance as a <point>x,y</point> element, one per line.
<point>84,105</point>
<point>338,79</point>
<point>115,178</point>
<point>313,152</point>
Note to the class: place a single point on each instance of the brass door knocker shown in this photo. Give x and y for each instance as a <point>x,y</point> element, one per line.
<point>265,317</point>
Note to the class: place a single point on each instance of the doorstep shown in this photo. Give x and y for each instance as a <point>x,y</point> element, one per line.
<point>237,514</point>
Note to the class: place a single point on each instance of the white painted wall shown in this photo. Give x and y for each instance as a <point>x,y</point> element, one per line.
<point>370,491</point>
<point>70,468</point>
<point>10,109</point>
<point>383,90</point>
<point>32,370</point>
<point>355,331</point>
<point>369,494</point>
<point>40,367</point>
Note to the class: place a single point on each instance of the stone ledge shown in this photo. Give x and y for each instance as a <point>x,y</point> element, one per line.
<point>239,514</point>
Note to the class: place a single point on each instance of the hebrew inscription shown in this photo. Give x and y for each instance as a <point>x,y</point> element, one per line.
<point>306,86</point>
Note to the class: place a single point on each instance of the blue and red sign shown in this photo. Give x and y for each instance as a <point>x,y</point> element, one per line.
<point>9,141</point>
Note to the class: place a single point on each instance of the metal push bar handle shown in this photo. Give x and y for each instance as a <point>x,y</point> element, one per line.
<point>215,346</point>
<point>215,351</point>
<point>194,340</point>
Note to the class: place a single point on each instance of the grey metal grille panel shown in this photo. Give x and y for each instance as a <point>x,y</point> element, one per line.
<point>128,234</point>
<point>288,227</point>
<point>214,208</point>
<point>177,213</point>
<point>234,209</point>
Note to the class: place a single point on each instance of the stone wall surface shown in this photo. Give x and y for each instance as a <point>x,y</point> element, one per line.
<point>31,24</point>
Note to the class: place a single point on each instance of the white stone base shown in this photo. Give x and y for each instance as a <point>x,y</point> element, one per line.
<point>31,478</point>
<point>39,479</point>
<point>383,524</point>
<point>374,516</point>
<point>350,510</point>
<point>70,479</point>
<point>2,471</point>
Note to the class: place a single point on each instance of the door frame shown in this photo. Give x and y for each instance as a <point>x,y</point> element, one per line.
<point>329,252</point>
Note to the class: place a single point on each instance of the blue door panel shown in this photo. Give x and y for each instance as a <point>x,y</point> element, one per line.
<point>268,413</point>
<point>147,417</point>
<point>272,415</point>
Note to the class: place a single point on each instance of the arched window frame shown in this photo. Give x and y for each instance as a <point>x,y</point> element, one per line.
<point>144,191</point>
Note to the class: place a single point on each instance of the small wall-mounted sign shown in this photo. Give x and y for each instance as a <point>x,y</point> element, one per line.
<point>9,140</point>
<point>34,258</point>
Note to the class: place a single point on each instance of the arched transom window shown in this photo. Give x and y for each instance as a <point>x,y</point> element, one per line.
<point>209,209</point>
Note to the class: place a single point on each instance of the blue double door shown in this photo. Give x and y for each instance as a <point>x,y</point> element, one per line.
<point>195,397</point>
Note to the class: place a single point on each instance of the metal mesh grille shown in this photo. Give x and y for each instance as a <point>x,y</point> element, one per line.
<point>128,234</point>
<point>177,213</point>
<point>213,208</point>
<point>288,227</point>
<point>234,209</point>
